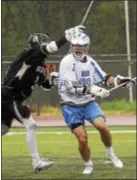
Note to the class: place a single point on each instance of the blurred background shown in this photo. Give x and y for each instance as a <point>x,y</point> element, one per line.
<point>111,29</point>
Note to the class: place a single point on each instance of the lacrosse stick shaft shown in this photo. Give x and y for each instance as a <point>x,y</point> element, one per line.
<point>84,19</point>
<point>87,12</point>
<point>98,98</point>
<point>117,87</point>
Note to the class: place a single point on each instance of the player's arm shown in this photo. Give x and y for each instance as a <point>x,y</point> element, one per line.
<point>47,84</point>
<point>119,80</point>
<point>53,46</point>
<point>96,90</point>
<point>99,76</point>
<point>67,78</point>
<point>115,81</point>
<point>74,87</point>
<point>105,78</point>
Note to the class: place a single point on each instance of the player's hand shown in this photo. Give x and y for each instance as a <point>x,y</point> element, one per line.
<point>121,79</point>
<point>54,78</point>
<point>79,29</point>
<point>98,91</point>
<point>72,31</point>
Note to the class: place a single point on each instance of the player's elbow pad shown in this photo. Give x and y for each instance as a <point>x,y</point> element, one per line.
<point>52,47</point>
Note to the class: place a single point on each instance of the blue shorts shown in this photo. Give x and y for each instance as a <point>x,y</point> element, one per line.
<point>75,115</point>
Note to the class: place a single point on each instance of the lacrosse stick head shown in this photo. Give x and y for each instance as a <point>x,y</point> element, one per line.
<point>80,45</point>
<point>36,39</point>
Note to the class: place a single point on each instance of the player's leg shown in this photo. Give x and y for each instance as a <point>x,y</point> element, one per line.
<point>106,138</point>
<point>6,117</point>
<point>74,119</point>
<point>23,115</point>
<point>96,117</point>
<point>4,129</point>
<point>81,135</point>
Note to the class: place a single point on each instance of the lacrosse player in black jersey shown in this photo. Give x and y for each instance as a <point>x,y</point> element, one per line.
<point>26,71</point>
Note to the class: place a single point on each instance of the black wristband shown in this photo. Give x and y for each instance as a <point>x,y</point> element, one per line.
<point>61,42</point>
<point>84,89</point>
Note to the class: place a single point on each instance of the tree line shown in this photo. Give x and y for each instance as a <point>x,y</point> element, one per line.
<point>105,23</point>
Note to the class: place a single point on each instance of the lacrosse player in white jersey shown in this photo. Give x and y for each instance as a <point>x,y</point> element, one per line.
<point>78,75</point>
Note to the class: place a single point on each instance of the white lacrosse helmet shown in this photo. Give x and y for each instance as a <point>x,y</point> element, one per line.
<point>80,39</point>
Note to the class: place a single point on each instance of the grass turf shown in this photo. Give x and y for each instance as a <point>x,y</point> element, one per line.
<point>62,149</point>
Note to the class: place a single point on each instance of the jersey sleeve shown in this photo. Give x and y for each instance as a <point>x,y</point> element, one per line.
<point>99,75</point>
<point>53,46</point>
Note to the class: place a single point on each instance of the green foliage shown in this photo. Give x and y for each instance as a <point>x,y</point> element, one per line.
<point>119,106</point>
<point>105,23</point>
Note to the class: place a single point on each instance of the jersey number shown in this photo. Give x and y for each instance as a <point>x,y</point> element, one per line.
<point>85,81</point>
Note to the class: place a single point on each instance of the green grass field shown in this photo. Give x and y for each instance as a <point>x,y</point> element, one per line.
<point>59,145</point>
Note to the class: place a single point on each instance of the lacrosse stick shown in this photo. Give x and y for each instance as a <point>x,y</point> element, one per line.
<point>133,81</point>
<point>86,14</point>
<point>83,20</point>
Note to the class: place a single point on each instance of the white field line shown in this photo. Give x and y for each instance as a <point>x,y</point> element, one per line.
<point>68,132</point>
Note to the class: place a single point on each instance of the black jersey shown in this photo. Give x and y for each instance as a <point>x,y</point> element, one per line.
<point>25,71</point>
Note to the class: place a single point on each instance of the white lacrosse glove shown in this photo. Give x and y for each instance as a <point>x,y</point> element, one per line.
<point>98,91</point>
<point>54,78</point>
<point>72,31</point>
<point>121,79</point>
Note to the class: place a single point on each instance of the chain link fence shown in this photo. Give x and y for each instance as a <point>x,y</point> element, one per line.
<point>113,64</point>
<point>105,25</point>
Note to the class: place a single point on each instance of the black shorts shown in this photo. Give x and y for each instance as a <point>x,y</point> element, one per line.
<point>11,110</point>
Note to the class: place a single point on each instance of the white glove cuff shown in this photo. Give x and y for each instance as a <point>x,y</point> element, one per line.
<point>95,89</point>
<point>116,79</point>
<point>53,75</point>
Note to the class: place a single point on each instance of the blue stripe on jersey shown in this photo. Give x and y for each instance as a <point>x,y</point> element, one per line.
<point>97,71</point>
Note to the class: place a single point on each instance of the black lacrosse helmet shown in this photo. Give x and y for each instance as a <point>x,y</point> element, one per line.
<point>36,39</point>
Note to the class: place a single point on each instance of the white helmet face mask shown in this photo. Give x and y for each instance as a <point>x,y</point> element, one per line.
<point>80,39</point>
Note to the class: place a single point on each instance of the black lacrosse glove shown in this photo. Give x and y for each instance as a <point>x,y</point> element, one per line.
<point>121,79</point>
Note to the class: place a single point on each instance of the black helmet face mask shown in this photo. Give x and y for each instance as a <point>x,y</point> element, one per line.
<point>36,39</point>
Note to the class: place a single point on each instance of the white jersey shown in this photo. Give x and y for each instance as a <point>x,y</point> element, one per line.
<point>72,71</point>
